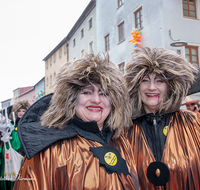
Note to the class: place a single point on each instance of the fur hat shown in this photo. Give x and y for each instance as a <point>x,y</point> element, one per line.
<point>178,73</point>
<point>21,104</point>
<point>88,70</point>
<point>189,100</point>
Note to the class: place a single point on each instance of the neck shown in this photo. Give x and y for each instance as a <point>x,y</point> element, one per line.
<point>150,110</point>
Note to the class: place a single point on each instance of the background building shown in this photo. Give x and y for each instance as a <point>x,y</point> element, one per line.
<point>160,22</point>
<point>6,103</point>
<point>39,89</point>
<point>82,37</point>
<point>19,91</point>
<point>53,61</point>
<point>28,95</point>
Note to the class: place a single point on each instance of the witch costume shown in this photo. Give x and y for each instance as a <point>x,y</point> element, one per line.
<point>15,142</point>
<point>77,156</point>
<point>166,145</point>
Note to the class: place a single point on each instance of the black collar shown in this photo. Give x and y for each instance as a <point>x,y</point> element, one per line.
<point>87,126</point>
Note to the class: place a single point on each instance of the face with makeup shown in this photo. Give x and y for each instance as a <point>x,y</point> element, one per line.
<point>20,112</point>
<point>93,105</point>
<point>152,89</point>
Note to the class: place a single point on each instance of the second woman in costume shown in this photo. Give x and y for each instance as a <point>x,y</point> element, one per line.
<point>165,140</point>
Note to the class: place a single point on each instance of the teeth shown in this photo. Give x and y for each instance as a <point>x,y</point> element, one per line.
<point>152,94</point>
<point>94,108</point>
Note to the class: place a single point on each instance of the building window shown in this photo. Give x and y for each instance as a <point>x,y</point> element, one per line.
<point>65,48</point>
<point>121,31</point>
<point>50,61</point>
<point>189,8</point>
<point>47,65</point>
<point>74,42</point>
<point>91,47</point>
<point>54,57</point>
<point>121,67</point>
<point>50,79</point>
<point>90,23</point>
<point>47,81</point>
<point>60,53</point>
<point>54,76</point>
<point>107,43</point>
<point>119,3</point>
<point>139,18</point>
<point>82,33</point>
<point>191,54</point>
<point>82,53</point>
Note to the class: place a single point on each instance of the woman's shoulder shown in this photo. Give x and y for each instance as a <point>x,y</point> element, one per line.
<point>183,112</point>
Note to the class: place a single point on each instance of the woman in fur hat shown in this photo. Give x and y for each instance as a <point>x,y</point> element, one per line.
<point>165,140</point>
<point>19,108</point>
<point>79,143</point>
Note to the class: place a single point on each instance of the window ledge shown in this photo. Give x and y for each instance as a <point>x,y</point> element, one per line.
<point>188,17</point>
<point>121,42</point>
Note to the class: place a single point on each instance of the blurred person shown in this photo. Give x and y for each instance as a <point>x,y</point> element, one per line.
<point>191,104</point>
<point>19,108</point>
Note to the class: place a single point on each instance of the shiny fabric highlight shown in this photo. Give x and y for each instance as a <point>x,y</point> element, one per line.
<point>69,164</point>
<point>181,152</point>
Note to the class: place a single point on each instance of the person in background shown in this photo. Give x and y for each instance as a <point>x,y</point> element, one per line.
<point>191,104</point>
<point>198,105</point>
<point>19,108</point>
<point>79,143</point>
<point>165,140</point>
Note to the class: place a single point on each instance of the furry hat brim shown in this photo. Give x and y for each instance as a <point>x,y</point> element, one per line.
<point>88,70</point>
<point>178,73</point>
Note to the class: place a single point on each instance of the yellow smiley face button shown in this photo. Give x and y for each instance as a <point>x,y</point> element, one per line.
<point>165,129</point>
<point>110,158</point>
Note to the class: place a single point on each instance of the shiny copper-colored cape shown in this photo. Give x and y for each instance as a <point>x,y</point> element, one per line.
<point>196,112</point>
<point>69,164</point>
<point>181,152</point>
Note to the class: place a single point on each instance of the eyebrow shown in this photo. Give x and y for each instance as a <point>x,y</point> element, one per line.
<point>91,87</point>
<point>88,87</point>
<point>157,76</point>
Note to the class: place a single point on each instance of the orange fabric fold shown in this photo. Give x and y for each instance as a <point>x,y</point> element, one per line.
<point>69,164</point>
<point>181,152</point>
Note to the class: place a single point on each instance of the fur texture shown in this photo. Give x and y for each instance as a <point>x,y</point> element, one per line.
<point>21,104</point>
<point>88,70</point>
<point>177,71</point>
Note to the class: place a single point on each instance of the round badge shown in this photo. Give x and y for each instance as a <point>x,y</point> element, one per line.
<point>110,158</point>
<point>15,128</point>
<point>165,129</point>
<point>158,173</point>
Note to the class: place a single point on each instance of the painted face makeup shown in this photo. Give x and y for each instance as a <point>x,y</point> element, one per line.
<point>93,105</point>
<point>152,89</point>
<point>20,113</point>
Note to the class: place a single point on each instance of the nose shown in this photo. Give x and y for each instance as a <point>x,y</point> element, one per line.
<point>152,85</point>
<point>96,98</point>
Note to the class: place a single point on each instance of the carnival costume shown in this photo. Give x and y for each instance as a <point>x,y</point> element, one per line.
<point>166,145</point>
<point>77,156</point>
<point>15,142</point>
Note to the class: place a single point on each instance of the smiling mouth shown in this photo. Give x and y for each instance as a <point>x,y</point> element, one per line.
<point>92,108</point>
<point>152,95</point>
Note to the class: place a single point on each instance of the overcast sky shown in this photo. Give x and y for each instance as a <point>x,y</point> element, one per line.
<point>29,30</point>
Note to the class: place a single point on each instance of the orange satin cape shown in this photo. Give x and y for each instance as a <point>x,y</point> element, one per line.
<point>196,112</point>
<point>181,152</point>
<point>69,164</point>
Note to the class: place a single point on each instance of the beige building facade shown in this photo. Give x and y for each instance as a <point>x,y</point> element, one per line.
<point>80,40</point>
<point>53,62</point>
